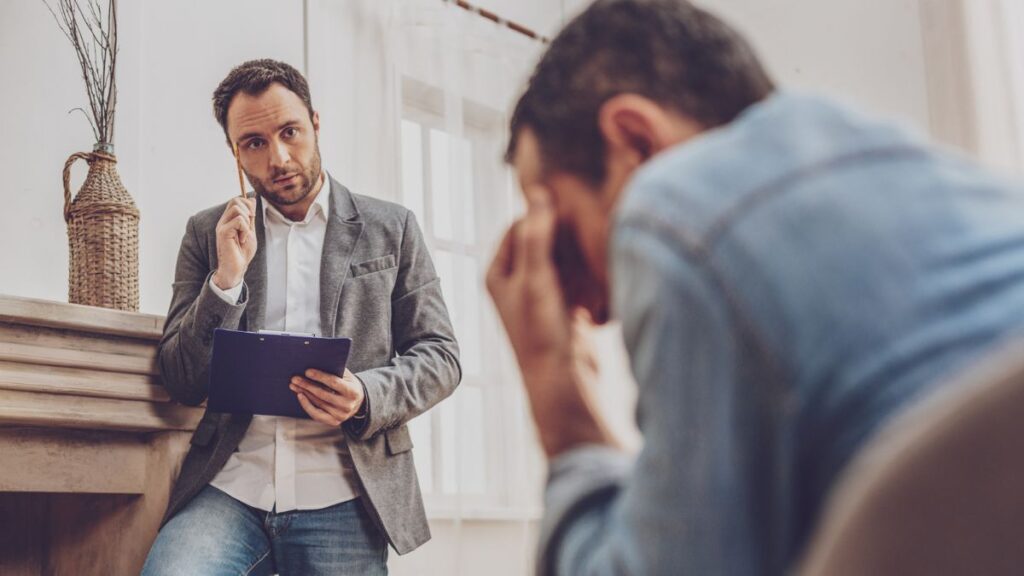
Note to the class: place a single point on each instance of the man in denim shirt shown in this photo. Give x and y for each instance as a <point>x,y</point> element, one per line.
<point>788,274</point>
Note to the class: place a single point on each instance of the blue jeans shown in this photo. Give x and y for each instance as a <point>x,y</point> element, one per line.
<point>217,535</point>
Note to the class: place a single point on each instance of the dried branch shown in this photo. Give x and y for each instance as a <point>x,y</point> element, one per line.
<point>93,34</point>
<point>87,117</point>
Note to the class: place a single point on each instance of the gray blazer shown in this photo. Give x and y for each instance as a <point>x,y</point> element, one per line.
<point>377,286</point>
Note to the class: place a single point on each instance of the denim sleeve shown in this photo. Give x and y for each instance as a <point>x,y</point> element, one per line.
<point>683,507</point>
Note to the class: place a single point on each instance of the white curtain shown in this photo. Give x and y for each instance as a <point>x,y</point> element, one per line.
<point>457,76</point>
<point>993,54</point>
<point>350,64</point>
<point>1013,45</point>
<point>414,97</point>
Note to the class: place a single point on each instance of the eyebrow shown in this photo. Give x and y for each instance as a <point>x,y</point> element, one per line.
<point>249,135</point>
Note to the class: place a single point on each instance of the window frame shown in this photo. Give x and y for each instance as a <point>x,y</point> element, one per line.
<point>510,441</point>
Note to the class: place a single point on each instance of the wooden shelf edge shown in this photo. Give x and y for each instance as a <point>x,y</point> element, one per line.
<point>49,314</point>
<point>18,408</point>
<point>32,355</point>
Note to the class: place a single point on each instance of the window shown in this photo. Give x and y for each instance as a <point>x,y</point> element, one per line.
<point>476,450</point>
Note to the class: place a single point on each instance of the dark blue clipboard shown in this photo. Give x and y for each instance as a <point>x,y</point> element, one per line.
<point>250,371</point>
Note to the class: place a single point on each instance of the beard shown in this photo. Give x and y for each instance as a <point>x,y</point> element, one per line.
<point>292,193</point>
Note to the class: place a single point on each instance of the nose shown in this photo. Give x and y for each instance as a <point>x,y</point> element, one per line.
<point>279,156</point>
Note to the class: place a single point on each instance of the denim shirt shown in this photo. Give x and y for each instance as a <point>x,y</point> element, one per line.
<point>785,284</point>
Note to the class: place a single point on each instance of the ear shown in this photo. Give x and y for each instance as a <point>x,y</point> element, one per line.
<point>641,126</point>
<point>316,122</point>
<point>627,123</point>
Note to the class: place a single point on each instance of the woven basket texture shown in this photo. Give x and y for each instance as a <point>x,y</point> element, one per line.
<point>103,236</point>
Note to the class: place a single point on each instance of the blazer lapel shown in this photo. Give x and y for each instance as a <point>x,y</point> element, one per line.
<point>256,277</point>
<point>344,227</point>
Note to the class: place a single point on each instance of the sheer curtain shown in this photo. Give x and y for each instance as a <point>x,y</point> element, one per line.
<point>414,97</point>
<point>1013,34</point>
<point>457,75</point>
<point>993,29</point>
<point>350,64</point>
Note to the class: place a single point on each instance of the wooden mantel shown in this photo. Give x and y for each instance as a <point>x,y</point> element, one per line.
<point>89,440</point>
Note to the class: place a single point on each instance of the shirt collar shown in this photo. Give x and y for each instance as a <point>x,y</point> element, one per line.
<point>320,207</point>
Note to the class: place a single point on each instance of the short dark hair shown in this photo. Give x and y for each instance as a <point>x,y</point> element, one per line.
<point>670,51</point>
<point>253,78</point>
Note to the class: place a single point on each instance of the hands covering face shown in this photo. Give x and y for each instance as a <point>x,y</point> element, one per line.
<point>540,314</point>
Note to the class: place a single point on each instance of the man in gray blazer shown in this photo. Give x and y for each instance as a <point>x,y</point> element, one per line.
<point>262,494</point>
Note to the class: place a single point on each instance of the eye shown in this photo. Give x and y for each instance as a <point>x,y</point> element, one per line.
<point>254,144</point>
<point>291,132</point>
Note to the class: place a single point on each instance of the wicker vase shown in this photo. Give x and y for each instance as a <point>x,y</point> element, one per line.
<point>103,235</point>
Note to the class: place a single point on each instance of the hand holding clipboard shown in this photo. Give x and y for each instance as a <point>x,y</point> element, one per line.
<point>251,372</point>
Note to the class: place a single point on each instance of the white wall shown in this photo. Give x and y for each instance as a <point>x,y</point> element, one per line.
<point>38,136</point>
<point>868,52</point>
<point>172,156</point>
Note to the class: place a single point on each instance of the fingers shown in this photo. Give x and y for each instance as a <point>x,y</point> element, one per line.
<point>240,212</point>
<point>501,265</point>
<point>528,243</point>
<point>238,226</point>
<point>537,233</point>
<point>248,203</point>
<point>339,406</point>
<point>344,387</point>
<point>240,222</point>
<point>335,404</point>
<point>239,219</point>
<point>243,206</point>
<point>330,394</point>
<point>315,412</point>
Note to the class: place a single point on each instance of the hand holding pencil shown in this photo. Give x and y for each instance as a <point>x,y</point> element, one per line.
<point>241,180</point>
<point>236,235</point>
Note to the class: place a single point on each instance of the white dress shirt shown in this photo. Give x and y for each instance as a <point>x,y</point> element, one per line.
<point>282,463</point>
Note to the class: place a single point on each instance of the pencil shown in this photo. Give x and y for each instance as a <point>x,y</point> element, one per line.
<point>241,181</point>
<point>238,164</point>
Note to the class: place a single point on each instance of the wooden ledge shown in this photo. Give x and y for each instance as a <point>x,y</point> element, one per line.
<point>21,409</point>
<point>45,313</point>
<point>68,366</point>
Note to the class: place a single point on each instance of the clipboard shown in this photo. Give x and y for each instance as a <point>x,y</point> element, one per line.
<point>250,371</point>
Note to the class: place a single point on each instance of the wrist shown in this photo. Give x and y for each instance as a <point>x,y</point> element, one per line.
<point>563,408</point>
<point>224,281</point>
<point>570,427</point>
<point>547,368</point>
<point>361,412</point>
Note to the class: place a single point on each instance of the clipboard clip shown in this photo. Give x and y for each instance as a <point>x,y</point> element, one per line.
<point>280,333</point>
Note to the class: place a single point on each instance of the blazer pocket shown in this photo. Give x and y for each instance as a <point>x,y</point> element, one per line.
<point>375,265</point>
<point>398,440</point>
<point>204,433</point>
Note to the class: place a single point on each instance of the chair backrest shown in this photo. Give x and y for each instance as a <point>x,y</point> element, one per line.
<point>939,491</point>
